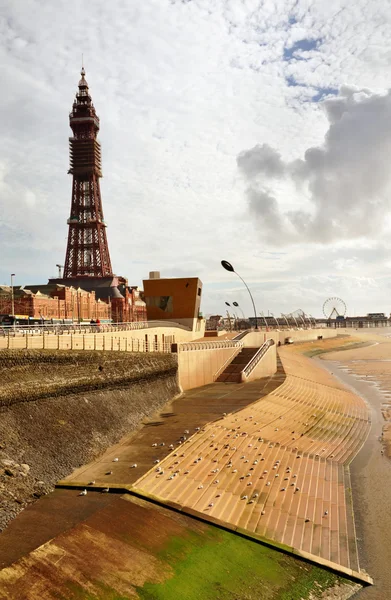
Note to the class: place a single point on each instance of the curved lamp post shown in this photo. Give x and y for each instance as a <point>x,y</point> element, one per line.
<point>234,313</point>
<point>12,298</point>
<point>228,267</point>
<point>237,306</point>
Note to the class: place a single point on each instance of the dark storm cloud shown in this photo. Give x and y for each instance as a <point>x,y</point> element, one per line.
<point>346,179</point>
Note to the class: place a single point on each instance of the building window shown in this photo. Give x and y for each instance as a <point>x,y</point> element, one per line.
<point>199,291</point>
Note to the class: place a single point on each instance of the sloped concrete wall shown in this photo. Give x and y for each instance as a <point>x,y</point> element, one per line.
<point>258,338</point>
<point>198,367</point>
<point>60,410</point>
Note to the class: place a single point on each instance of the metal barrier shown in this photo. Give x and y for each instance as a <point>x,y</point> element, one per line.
<point>75,341</point>
<point>257,357</point>
<point>81,328</point>
<point>192,346</point>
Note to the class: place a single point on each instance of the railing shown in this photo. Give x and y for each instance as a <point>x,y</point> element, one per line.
<point>257,357</point>
<point>191,346</point>
<point>81,328</point>
<point>84,342</point>
<point>227,362</point>
<point>241,335</point>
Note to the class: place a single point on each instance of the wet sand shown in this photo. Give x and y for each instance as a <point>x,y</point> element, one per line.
<point>370,477</point>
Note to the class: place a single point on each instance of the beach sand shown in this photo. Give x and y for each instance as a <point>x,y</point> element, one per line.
<point>367,371</point>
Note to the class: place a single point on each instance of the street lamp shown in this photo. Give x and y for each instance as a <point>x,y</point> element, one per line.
<point>235,315</point>
<point>237,306</point>
<point>228,267</point>
<point>12,296</point>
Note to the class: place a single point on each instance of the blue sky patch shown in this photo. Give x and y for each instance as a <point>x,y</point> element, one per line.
<point>305,45</point>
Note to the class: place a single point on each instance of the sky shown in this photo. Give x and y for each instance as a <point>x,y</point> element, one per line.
<point>258,132</point>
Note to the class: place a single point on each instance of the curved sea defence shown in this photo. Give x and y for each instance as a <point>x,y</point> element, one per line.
<point>276,470</point>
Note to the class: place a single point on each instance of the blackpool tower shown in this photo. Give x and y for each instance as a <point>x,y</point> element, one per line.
<point>87,253</point>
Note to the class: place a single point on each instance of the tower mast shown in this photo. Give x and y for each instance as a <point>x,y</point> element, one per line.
<point>87,253</point>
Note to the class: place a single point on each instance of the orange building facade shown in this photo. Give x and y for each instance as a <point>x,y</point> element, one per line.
<point>174,299</point>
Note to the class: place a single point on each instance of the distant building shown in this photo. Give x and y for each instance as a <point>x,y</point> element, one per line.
<point>53,301</point>
<point>174,299</point>
<point>214,322</point>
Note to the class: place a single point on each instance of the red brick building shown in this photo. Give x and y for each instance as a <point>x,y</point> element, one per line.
<point>56,301</point>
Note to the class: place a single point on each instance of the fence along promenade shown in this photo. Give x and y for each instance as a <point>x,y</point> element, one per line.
<point>276,470</point>
<point>104,337</point>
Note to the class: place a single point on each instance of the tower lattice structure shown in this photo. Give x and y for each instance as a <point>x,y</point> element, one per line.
<point>87,253</point>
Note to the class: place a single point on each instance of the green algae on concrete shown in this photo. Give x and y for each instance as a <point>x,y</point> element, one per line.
<point>225,566</point>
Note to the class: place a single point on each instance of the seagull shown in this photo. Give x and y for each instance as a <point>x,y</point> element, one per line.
<point>210,505</point>
<point>186,432</point>
<point>115,459</point>
<point>307,520</point>
<point>197,428</point>
<point>262,512</point>
<point>158,469</point>
<point>109,473</point>
<point>283,489</point>
<point>83,493</point>
<point>154,445</point>
<point>162,444</point>
<point>171,446</point>
<point>134,466</point>
<point>326,512</point>
<point>187,472</point>
<point>244,497</point>
<point>155,462</point>
<point>268,483</point>
<point>200,487</point>
<point>91,482</point>
<point>105,490</point>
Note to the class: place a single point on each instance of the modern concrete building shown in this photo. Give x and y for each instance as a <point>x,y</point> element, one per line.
<point>174,299</point>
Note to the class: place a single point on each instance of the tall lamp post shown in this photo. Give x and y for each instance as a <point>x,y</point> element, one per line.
<point>228,267</point>
<point>229,317</point>
<point>12,295</point>
<point>236,305</point>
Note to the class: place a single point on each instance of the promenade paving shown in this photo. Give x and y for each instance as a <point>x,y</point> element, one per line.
<point>277,468</point>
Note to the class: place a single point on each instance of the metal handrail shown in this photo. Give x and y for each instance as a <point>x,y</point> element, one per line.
<point>257,357</point>
<point>60,328</point>
<point>227,362</point>
<point>190,346</point>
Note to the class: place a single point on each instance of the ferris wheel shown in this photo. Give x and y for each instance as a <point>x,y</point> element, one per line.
<point>334,307</point>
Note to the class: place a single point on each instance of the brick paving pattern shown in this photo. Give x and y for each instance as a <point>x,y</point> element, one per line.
<point>277,468</point>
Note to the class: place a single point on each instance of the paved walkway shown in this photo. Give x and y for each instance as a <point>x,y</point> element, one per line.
<point>276,469</point>
<point>64,509</point>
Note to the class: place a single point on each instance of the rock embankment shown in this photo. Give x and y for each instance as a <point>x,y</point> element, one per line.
<point>59,410</point>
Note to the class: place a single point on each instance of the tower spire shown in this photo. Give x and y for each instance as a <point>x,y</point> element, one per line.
<point>87,253</point>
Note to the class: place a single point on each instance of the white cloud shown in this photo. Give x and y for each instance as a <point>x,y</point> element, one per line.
<point>181,89</point>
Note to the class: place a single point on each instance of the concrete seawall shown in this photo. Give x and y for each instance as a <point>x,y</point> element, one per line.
<point>61,410</point>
